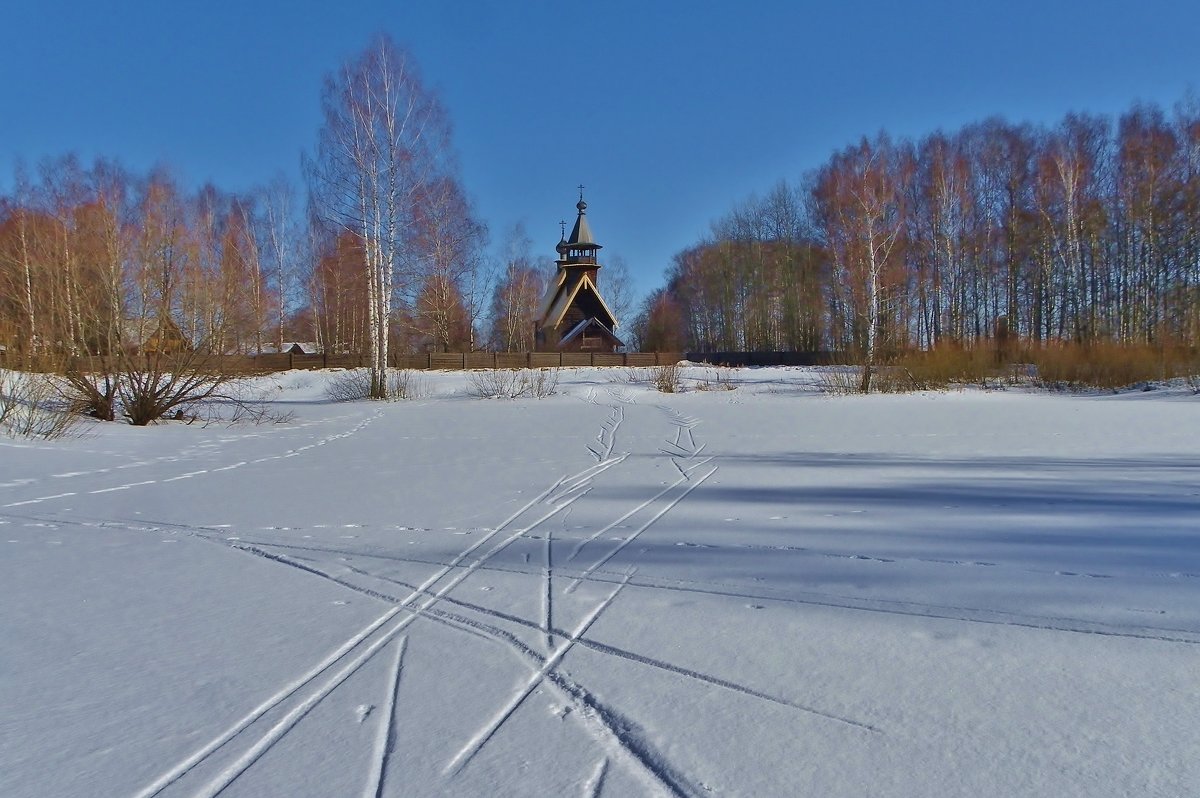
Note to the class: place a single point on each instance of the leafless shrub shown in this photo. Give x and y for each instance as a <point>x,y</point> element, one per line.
<point>630,374</point>
<point>939,369</point>
<point>885,379</point>
<point>159,387</point>
<point>495,383</point>
<point>1106,365</point>
<point>666,378</point>
<point>945,366</point>
<point>542,382</point>
<point>716,379</point>
<point>246,411</point>
<point>241,401</point>
<point>898,379</point>
<point>513,383</point>
<point>841,381</point>
<point>31,407</point>
<point>183,386</point>
<point>349,386</point>
<point>355,385</point>
<point>406,384</point>
<point>91,394</point>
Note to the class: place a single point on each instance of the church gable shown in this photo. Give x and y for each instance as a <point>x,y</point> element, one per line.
<point>581,296</point>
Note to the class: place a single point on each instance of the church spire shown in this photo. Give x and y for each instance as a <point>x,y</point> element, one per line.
<point>581,241</point>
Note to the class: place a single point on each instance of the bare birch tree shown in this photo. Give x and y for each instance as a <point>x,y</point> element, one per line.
<point>861,209</point>
<point>385,137</point>
<point>518,293</point>
<point>448,244</point>
<point>283,245</point>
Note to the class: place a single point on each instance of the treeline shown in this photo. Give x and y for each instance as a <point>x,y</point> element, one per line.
<point>94,258</point>
<point>1087,231</point>
<point>378,248</point>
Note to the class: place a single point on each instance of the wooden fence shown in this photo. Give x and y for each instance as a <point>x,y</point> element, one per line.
<point>449,361</point>
<point>458,361</point>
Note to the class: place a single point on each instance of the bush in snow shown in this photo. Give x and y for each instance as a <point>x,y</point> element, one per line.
<point>541,383</point>
<point>349,386</point>
<point>666,378</point>
<point>513,383</point>
<point>30,406</point>
<point>93,395</point>
<point>1109,365</point>
<point>716,379</point>
<point>355,385</point>
<point>841,380</point>
<point>184,386</point>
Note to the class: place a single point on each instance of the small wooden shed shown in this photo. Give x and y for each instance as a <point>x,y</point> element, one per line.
<point>167,339</point>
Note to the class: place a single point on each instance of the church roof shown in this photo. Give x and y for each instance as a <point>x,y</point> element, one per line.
<point>552,292</point>
<point>581,233</point>
<point>567,290</point>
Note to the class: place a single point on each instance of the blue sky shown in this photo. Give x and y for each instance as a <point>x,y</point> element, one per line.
<point>669,112</point>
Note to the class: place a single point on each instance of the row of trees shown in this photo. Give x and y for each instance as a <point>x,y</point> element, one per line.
<point>385,254</point>
<point>384,190</point>
<point>93,259</point>
<point>1085,231</point>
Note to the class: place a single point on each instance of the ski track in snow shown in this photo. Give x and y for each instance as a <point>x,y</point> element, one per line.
<point>606,439</point>
<point>182,768</point>
<point>499,635</point>
<point>38,500</point>
<point>636,533</point>
<point>203,447</point>
<point>909,608</point>
<point>186,455</point>
<point>558,497</point>
<point>288,721</point>
<point>581,639</point>
<point>548,591</point>
<point>385,741</point>
<point>617,736</point>
<point>594,786</point>
<point>476,743</point>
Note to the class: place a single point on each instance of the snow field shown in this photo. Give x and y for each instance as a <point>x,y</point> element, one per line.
<point>764,591</point>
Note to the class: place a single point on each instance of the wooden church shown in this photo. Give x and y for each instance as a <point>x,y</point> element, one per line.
<point>574,316</point>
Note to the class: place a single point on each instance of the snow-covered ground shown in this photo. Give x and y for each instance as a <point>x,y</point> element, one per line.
<point>612,591</point>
